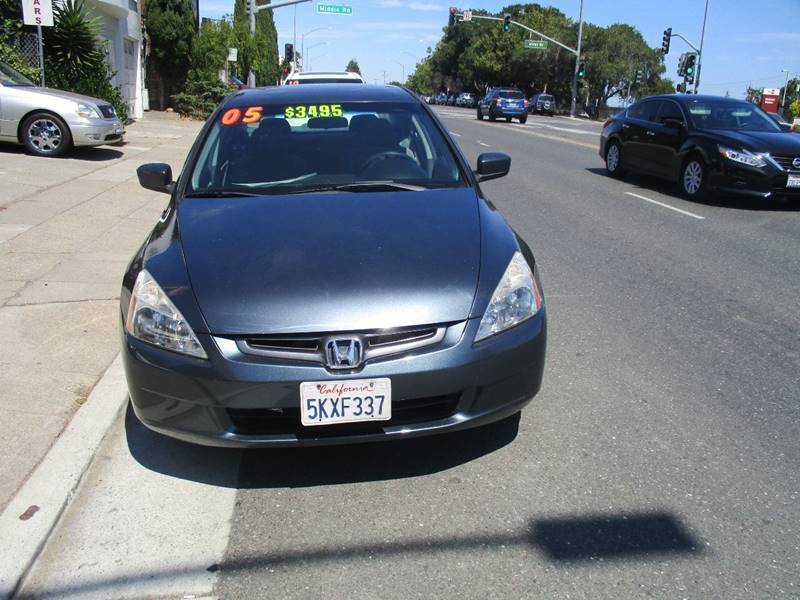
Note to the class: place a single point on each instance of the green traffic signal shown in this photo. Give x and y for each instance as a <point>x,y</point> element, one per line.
<point>581,70</point>
<point>506,23</point>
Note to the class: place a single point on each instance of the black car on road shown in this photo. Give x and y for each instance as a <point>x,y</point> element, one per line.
<point>507,103</point>
<point>543,104</point>
<point>329,271</point>
<point>706,143</point>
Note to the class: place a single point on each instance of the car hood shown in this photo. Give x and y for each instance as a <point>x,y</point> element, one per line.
<point>62,95</point>
<point>777,143</point>
<point>332,262</point>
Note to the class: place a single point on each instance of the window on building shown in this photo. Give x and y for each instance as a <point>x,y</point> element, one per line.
<point>130,54</point>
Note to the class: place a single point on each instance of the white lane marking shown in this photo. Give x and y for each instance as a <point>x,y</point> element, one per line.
<point>455,134</point>
<point>680,210</point>
<point>583,131</point>
<point>484,145</point>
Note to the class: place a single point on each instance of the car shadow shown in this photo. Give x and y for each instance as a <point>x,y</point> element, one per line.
<point>86,154</point>
<point>314,466</point>
<point>647,182</point>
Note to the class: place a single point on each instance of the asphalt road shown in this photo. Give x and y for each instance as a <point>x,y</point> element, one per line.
<point>659,460</point>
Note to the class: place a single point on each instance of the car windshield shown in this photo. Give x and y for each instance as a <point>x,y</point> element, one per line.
<point>543,98</point>
<point>11,78</point>
<point>736,116</point>
<point>511,94</point>
<point>350,146</point>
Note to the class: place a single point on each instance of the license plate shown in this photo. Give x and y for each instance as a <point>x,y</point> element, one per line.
<point>350,401</point>
<point>793,181</point>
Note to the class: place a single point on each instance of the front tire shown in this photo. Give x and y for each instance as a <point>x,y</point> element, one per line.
<point>614,159</point>
<point>45,134</point>
<point>694,178</point>
<point>480,114</point>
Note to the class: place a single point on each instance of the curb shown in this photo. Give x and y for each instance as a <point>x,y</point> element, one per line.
<point>33,513</point>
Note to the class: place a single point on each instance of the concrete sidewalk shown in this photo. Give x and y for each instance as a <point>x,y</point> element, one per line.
<point>68,228</point>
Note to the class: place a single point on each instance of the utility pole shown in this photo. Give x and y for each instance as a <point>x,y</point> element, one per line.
<point>785,85</point>
<point>252,8</point>
<point>700,53</point>
<point>403,67</point>
<point>577,63</point>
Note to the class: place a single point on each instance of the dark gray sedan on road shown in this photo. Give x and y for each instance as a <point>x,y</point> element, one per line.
<point>329,271</point>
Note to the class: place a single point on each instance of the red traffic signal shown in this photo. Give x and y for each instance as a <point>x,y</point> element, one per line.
<point>453,13</point>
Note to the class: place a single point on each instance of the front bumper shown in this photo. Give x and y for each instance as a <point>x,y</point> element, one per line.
<point>96,132</point>
<point>767,182</point>
<point>241,400</point>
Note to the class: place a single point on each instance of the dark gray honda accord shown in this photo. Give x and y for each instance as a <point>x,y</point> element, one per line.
<point>328,271</point>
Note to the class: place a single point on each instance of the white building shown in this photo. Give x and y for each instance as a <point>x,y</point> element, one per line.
<point>122,28</point>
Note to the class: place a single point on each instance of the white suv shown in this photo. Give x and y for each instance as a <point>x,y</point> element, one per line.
<point>323,77</point>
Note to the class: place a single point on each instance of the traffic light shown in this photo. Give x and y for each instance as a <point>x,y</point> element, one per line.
<point>288,52</point>
<point>689,68</point>
<point>665,40</point>
<point>582,70</point>
<point>453,13</point>
<point>679,88</point>
<point>506,23</point>
<point>637,78</point>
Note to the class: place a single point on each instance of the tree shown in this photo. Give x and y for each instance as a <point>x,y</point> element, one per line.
<point>258,52</point>
<point>171,27</point>
<point>473,56</point>
<point>352,67</point>
<point>210,51</point>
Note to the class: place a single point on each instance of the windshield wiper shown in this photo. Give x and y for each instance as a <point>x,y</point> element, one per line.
<point>372,186</point>
<point>361,186</point>
<point>222,194</point>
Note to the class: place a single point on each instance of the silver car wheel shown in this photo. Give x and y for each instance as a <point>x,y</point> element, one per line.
<point>692,177</point>
<point>45,135</point>
<point>612,158</point>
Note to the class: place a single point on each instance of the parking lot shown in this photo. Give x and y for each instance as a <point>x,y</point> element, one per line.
<point>659,460</point>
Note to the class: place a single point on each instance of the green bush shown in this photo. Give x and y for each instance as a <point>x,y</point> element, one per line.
<point>794,108</point>
<point>200,98</point>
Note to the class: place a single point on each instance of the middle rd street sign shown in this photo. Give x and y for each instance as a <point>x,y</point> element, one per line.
<point>467,16</point>
<point>334,9</point>
<point>535,44</point>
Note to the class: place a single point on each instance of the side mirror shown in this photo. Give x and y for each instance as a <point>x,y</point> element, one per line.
<point>673,123</point>
<point>492,165</point>
<point>156,177</point>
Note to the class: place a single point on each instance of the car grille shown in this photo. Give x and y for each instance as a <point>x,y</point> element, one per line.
<point>286,421</point>
<point>786,162</point>
<point>311,348</point>
<point>107,111</point>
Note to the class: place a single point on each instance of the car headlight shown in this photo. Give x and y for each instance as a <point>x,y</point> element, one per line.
<point>87,112</point>
<point>154,319</point>
<point>744,157</point>
<point>515,299</point>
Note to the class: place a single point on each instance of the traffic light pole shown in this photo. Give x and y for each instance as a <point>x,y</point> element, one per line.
<point>573,105</point>
<point>700,53</point>
<point>252,8</point>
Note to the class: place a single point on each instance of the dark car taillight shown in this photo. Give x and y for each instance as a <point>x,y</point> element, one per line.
<point>497,101</point>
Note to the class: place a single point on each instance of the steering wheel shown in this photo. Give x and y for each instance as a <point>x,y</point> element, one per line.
<point>370,162</point>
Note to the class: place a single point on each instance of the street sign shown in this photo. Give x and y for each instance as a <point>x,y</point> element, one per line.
<point>37,12</point>
<point>467,16</point>
<point>233,54</point>
<point>334,9</point>
<point>535,44</point>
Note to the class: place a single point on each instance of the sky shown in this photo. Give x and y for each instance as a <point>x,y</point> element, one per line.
<point>745,42</point>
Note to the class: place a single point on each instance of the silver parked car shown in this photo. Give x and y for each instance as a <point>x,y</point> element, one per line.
<point>49,122</point>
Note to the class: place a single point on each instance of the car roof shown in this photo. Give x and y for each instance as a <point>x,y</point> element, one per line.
<point>326,75</point>
<point>321,92</point>
<point>685,98</point>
